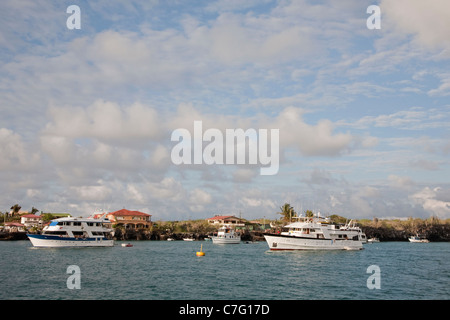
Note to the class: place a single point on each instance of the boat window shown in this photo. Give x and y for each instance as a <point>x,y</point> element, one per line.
<point>77,223</point>
<point>90,224</point>
<point>59,233</point>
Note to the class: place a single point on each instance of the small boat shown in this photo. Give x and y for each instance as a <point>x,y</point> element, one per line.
<point>170,239</point>
<point>373,240</point>
<point>127,245</point>
<point>188,239</point>
<point>418,239</point>
<point>226,235</point>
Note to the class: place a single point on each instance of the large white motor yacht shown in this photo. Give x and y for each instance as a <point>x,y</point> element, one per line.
<point>74,232</point>
<point>311,233</point>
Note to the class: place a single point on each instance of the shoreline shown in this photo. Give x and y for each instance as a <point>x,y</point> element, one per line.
<point>434,230</point>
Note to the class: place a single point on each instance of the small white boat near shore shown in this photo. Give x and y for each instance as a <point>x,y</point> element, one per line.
<point>226,235</point>
<point>418,239</point>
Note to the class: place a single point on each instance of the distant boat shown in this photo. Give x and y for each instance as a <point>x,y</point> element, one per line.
<point>373,240</point>
<point>188,239</point>
<point>418,239</point>
<point>170,239</point>
<point>127,245</point>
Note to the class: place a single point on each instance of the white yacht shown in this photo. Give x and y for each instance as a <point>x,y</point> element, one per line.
<point>74,232</point>
<point>227,235</point>
<point>317,233</point>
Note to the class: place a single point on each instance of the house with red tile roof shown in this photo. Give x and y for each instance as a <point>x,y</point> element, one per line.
<point>221,220</point>
<point>130,219</point>
<point>14,227</point>
<point>31,220</point>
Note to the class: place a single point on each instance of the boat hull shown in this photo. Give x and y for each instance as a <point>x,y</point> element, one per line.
<point>281,242</point>
<point>48,241</point>
<point>419,241</point>
<point>221,240</point>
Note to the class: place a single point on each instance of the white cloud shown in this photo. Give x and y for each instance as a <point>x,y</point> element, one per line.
<point>429,21</point>
<point>15,154</point>
<point>429,199</point>
<point>401,182</point>
<point>105,121</point>
<point>311,140</point>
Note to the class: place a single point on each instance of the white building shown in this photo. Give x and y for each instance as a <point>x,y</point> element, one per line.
<point>30,220</point>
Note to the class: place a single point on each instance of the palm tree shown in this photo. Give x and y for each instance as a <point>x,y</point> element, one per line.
<point>287,212</point>
<point>15,209</point>
<point>309,214</point>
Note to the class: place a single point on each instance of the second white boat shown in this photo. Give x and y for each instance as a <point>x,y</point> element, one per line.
<point>227,235</point>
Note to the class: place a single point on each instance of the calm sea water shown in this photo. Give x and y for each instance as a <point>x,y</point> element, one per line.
<point>172,271</point>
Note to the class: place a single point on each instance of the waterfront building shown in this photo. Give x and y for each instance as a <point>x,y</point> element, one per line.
<point>31,220</point>
<point>226,220</point>
<point>130,219</point>
<point>14,227</point>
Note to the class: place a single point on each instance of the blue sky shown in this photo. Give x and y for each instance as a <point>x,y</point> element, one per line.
<point>86,115</point>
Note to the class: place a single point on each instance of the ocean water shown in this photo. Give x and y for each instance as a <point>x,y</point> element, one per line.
<point>162,270</point>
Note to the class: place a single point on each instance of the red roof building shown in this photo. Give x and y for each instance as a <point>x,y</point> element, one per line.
<point>130,219</point>
<point>31,220</point>
<point>232,220</point>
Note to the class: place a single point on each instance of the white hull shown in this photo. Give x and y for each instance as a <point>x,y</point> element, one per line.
<point>220,240</point>
<point>419,241</point>
<point>50,242</point>
<point>276,242</point>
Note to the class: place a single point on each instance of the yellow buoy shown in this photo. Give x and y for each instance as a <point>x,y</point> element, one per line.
<point>200,253</point>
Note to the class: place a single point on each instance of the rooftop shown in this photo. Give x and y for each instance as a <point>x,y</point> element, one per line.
<point>125,212</point>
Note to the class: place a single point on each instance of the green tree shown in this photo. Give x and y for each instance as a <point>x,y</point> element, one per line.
<point>309,214</point>
<point>287,211</point>
<point>15,209</point>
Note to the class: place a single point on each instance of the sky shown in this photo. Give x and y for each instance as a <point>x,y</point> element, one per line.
<point>87,114</point>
